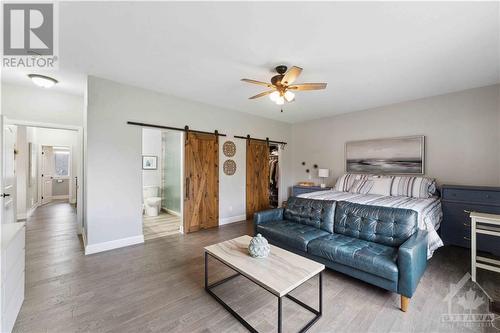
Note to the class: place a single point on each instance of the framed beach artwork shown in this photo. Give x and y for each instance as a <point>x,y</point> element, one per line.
<point>404,155</point>
<point>149,162</point>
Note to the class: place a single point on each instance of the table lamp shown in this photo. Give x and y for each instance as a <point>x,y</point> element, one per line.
<point>323,173</point>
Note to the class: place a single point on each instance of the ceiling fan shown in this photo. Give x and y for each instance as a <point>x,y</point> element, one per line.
<point>282,86</point>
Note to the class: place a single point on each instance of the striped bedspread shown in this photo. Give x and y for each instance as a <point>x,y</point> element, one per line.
<point>429,210</point>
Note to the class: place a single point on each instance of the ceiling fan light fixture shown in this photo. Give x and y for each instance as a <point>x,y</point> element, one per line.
<point>289,96</point>
<point>280,100</point>
<point>42,80</point>
<point>274,96</point>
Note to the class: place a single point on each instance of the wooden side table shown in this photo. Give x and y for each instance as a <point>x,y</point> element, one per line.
<point>486,224</point>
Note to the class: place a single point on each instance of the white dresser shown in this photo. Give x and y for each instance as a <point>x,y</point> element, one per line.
<point>13,269</point>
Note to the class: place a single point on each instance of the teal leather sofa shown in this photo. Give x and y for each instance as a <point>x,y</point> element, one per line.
<point>379,245</point>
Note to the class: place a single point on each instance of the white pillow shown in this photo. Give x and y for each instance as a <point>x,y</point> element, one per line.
<point>381,185</point>
<point>345,182</point>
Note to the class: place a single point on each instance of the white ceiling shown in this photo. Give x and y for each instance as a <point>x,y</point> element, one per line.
<point>370,53</point>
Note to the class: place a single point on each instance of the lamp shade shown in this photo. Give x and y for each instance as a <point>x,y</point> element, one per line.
<point>323,173</point>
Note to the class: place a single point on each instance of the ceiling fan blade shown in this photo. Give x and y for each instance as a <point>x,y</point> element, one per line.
<point>265,84</point>
<point>290,76</point>
<point>262,94</point>
<point>308,86</point>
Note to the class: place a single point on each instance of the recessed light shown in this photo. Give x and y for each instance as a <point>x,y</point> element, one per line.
<point>42,80</point>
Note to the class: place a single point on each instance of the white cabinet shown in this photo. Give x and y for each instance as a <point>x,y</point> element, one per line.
<point>13,270</point>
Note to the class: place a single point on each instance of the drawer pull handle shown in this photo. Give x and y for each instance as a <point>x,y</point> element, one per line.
<point>467,238</point>
<point>466,225</point>
<point>467,211</point>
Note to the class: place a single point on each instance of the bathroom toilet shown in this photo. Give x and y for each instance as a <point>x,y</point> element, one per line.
<point>152,202</point>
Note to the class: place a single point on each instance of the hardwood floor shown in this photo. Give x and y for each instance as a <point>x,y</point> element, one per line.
<point>160,226</point>
<point>158,287</point>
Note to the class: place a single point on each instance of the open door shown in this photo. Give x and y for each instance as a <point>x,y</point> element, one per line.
<point>47,173</point>
<point>257,189</point>
<point>201,170</point>
<point>8,190</point>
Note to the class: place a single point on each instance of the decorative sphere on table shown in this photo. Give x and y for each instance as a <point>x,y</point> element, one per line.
<point>259,247</point>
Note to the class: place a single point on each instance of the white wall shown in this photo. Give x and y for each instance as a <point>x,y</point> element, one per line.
<point>113,203</point>
<point>461,129</point>
<point>27,194</point>
<point>22,172</point>
<point>31,103</point>
<point>233,188</point>
<point>151,145</point>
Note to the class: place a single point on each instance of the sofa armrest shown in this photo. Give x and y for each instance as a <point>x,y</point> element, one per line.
<point>412,262</point>
<point>267,216</point>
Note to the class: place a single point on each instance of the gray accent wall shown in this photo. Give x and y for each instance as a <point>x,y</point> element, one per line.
<point>462,133</point>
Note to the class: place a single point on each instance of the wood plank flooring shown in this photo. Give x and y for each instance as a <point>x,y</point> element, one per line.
<point>160,226</point>
<point>158,287</point>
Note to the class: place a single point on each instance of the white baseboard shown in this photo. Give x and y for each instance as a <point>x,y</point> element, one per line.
<point>114,244</point>
<point>21,216</point>
<point>172,212</point>
<point>232,219</point>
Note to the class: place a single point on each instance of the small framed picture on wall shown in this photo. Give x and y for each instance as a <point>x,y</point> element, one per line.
<point>149,162</point>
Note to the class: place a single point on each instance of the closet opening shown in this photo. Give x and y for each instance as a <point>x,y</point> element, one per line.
<point>273,176</point>
<point>162,165</point>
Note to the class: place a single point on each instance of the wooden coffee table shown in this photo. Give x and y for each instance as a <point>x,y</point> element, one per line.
<point>280,273</point>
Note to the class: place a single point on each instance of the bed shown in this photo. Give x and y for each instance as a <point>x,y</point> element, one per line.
<point>429,210</point>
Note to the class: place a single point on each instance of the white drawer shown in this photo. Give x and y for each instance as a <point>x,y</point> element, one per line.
<point>14,277</point>
<point>13,250</point>
<point>12,309</point>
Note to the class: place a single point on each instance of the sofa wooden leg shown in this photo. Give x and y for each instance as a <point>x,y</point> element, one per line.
<point>405,302</point>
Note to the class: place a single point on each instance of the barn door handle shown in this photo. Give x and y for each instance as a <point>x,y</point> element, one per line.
<point>187,188</point>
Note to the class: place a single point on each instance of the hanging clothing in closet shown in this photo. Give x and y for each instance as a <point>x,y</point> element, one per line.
<point>273,177</point>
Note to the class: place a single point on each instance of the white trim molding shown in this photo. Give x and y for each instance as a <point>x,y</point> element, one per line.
<point>114,244</point>
<point>232,219</point>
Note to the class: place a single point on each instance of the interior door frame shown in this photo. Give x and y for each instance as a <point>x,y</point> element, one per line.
<point>80,189</point>
<point>40,172</point>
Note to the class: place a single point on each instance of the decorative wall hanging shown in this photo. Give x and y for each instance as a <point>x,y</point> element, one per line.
<point>229,148</point>
<point>229,167</point>
<point>403,155</point>
<point>149,162</point>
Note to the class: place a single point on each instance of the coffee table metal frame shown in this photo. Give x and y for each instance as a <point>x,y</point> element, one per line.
<point>317,313</point>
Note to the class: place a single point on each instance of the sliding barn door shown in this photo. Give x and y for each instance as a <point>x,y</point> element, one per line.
<point>201,197</point>
<point>257,192</point>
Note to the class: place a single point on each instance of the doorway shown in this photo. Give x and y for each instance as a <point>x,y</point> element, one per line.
<point>262,176</point>
<point>47,164</point>
<point>56,174</point>
<point>162,161</point>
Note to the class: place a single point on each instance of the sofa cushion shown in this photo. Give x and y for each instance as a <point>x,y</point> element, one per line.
<point>385,225</point>
<point>366,256</point>
<point>292,234</point>
<point>314,213</point>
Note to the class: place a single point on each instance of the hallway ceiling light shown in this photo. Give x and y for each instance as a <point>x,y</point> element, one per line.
<point>42,80</point>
